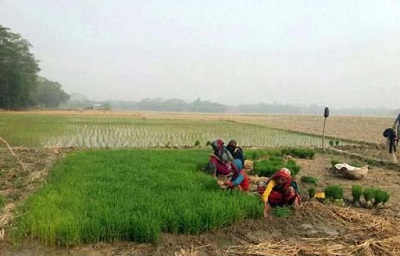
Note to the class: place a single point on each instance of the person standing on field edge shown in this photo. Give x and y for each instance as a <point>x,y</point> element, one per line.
<point>396,126</point>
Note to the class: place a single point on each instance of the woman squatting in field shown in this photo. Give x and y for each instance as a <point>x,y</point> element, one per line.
<point>221,158</point>
<point>239,179</point>
<point>280,190</point>
<point>236,151</point>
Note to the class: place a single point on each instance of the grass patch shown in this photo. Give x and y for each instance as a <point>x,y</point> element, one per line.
<point>309,180</point>
<point>29,130</point>
<point>282,212</point>
<point>130,195</point>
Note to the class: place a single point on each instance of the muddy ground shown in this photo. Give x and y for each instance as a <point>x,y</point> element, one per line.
<point>316,229</point>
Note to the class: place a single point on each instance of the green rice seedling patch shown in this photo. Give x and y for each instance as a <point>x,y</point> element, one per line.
<point>368,194</point>
<point>309,180</point>
<point>293,167</point>
<point>282,212</point>
<point>356,192</point>
<point>256,154</point>
<point>334,192</point>
<point>311,192</point>
<point>130,195</point>
<point>299,152</point>
<point>268,167</point>
<point>380,195</point>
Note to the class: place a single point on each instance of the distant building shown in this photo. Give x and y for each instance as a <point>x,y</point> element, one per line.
<point>96,107</point>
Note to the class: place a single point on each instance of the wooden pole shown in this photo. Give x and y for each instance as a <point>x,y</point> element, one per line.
<point>326,114</point>
<point>323,134</point>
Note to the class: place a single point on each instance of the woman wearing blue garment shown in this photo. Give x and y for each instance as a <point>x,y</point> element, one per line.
<point>239,179</point>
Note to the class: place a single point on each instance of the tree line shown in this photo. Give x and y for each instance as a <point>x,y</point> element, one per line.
<point>198,105</point>
<point>20,85</point>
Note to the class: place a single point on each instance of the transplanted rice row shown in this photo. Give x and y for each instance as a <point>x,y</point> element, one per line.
<point>114,135</point>
<point>130,195</point>
<point>102,132</point>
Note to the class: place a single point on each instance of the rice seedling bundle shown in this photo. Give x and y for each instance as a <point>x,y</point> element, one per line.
<point>334,192</point>
<point>309,180</point>
<point>356,191</point>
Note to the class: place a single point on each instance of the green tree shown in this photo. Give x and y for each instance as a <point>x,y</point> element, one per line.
<point>49,94</point>
<point>107,106</point>
<point>18,71</point>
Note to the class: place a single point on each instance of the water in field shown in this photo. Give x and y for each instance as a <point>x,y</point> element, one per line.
<point>170,134</point>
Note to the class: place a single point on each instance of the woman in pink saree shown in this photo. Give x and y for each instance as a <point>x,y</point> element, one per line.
<point>221,158</point>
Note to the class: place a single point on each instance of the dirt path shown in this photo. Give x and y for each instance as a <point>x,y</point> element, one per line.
<point>316,229</point>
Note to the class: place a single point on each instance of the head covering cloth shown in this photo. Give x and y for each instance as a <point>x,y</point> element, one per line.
<point>283,173</point>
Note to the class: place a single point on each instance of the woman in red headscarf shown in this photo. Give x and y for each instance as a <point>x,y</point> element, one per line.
<point>281,190</point>
<point>221,158</point>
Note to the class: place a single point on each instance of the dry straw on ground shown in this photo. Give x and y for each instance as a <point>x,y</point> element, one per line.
<point>12,152</point>
<point>193,251</point>
<point>369,235</point>
<point>6,215</point>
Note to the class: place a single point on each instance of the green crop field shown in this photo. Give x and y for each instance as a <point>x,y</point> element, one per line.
<point>38,130</point>
<point>134,176</point>
<point>137,188</point>
<point>130,195</point>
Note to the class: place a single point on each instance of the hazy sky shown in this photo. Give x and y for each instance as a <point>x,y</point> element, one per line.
<point>331,53</point>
